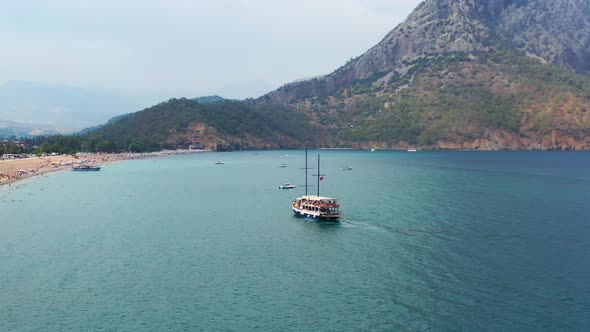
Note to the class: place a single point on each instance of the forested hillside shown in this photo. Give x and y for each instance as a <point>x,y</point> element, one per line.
<point>216,126</point>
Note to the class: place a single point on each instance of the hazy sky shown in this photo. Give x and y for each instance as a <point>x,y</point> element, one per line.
<point>235,47</point>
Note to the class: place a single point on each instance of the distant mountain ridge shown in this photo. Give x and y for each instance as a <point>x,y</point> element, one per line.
<point>65,109</point>
<point>16,129</point>
<point>58,107</point>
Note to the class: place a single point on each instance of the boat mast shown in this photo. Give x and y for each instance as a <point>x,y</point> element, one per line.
<point>318,175</point>
<point>305,171</point>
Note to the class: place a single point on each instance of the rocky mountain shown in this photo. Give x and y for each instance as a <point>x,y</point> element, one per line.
<point>553,31</point>
<point>488,74</point>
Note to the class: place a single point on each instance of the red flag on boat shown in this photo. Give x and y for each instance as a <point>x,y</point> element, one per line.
<point>321,178</point>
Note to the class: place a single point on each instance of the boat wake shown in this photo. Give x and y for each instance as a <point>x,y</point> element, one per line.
<point>358,224</point>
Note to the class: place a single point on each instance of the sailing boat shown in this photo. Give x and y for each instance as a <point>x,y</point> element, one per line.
<point>317,207</point>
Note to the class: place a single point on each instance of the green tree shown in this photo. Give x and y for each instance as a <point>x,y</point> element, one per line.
<point>45,147</point>
<point>105,146</point>
<point>135,147</point>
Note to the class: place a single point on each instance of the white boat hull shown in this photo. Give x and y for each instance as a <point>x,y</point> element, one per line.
<point>315,215</point>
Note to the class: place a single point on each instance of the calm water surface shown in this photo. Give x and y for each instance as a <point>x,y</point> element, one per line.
<point>437,241</point>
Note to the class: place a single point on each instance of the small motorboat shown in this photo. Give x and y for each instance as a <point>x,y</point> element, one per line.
<point>287,186</point>
<point>346,168</point>
<point>282,165</point>
<point>219,163</point>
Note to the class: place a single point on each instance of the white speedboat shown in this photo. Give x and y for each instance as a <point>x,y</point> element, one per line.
<point>346,168</point>
<point>219,163</point>
<point>287,186</point>
<point>281,165</point>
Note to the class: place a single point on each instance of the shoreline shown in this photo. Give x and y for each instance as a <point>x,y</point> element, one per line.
<point>16,170</point>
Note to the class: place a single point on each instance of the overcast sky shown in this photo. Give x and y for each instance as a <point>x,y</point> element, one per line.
<point>234,47</point>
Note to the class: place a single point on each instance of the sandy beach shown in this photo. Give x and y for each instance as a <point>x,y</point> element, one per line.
<point>12,170</point>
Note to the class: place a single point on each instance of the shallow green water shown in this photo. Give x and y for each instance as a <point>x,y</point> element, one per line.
<point>439,241</point>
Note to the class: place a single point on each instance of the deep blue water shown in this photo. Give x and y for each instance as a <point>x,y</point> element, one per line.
<point>430,241</point>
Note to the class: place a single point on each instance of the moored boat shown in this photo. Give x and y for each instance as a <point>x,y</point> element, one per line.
<point>86,168</point>
<point>287,186</point>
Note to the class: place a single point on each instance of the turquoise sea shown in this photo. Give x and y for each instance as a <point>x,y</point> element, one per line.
<point>430,241</point>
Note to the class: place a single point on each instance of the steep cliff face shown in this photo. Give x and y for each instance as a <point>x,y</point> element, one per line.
<point>553,31</point>
<point>557,31</point>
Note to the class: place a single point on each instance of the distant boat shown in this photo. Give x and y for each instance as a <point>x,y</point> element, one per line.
<point>85,168</point>
<point>372,150</point>
<point>317,207</point>
<point>346,168</point>
<point>412,150</point>
<point>219,163</point>
<point>282,165</point>
<point>287,186</point>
